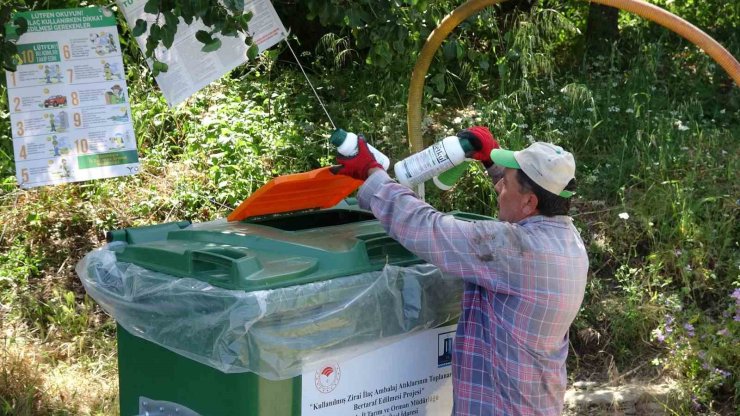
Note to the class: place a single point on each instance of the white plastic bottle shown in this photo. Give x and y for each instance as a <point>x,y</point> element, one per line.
<point>346,144</point>
<point>430,162</point>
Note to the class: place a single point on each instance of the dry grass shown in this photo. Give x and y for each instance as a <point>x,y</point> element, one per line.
<point>33,382</point>
<point>58,357</point>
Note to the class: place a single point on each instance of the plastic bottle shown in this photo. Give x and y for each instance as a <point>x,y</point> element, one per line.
<point>346,144</point>
<point>432,161</point>
<point>446,180</point>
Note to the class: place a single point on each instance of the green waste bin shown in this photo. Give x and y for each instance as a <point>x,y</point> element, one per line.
<point>222,318</point>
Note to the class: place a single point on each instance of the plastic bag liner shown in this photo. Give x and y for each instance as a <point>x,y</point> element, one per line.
<point>274,333</point>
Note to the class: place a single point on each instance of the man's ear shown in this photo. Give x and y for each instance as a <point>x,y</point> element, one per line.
<point>530,205</point>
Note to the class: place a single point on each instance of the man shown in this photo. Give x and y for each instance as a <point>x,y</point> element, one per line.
<point>524,274</point>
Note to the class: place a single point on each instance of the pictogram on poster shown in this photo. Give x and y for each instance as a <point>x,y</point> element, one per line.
<point>68,99</point>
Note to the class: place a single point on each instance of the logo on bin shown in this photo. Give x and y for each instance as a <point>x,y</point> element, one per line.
<point>444,349</point>
<point>327,377</point>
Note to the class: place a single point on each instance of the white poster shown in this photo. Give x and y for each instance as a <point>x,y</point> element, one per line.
<point>190,69</point>
<point>68,99</point>
<point>409,377</point>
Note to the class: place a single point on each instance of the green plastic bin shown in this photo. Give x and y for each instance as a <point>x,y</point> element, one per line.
<point>261,255</point>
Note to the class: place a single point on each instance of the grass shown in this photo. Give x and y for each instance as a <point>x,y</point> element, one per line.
<point>653,125</point>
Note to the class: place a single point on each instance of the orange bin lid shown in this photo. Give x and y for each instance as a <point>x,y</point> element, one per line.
<point>318,188</point>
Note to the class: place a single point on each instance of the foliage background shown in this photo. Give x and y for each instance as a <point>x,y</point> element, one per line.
<point>652,121</point>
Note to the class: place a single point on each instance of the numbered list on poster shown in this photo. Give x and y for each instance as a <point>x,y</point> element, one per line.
<point>68,99</point>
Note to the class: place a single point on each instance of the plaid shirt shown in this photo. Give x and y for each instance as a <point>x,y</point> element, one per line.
<point>524,284</point>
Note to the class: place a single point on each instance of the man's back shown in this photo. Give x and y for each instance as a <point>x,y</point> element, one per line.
<point>511,342</point>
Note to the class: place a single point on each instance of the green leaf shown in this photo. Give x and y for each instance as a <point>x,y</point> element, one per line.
<point>11,49</point>
<point>236,6</point>
<point>140,28</point>
<point>503,70</point>
<point>187,11</point>
<point>200,7</point>
<point>203,37</point>
<point>9,63</point>
<point>212,46</point>
<point>171,19</point>
<point>152,7</point>
<point>439,83</point>
<point>151,44</point>
<point>253,52</point>
<point>161,66</point>
<point>229,29</point>
<point>245,18</point>
<point>21,25</point>
<point>168,35</point>
<point>449,50</point>
<point>155,33</point>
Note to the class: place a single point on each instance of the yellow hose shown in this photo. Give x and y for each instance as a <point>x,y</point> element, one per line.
<point>660,16</point>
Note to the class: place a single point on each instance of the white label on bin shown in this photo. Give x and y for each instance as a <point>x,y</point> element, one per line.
<point>410,377</point>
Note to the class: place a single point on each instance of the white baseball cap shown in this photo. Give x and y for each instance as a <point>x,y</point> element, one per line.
<point>548,165</point>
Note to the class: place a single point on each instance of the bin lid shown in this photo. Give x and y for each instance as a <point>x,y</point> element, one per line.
<point>319,188</point>
<point>267,252</point>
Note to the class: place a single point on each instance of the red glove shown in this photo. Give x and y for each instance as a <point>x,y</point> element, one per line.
<point>357,165</point>
<point>483,142</point>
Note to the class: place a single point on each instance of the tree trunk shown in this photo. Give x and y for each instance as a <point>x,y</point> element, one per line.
<point>602,28</point>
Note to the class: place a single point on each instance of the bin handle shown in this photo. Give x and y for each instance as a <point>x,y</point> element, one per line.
<point>236,264</point>
<point>380,246</point>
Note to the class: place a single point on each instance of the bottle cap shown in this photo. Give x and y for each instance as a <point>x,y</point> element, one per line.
<point>337,137</point>
<point>466,145</point>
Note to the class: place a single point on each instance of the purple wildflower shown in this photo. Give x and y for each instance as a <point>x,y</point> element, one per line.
<point>723,332</point>
<point>736,294</point>
<point>668,319</point>
<point>695,403</point>
<point>689,329</point>
<point>722,372</point>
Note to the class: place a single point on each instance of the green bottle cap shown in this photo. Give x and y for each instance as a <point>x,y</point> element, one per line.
<point>337,137</point>
<point>467,146</point>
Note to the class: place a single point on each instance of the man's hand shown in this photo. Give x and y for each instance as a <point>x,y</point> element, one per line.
<point>359,165</point>
<point>483,142</point>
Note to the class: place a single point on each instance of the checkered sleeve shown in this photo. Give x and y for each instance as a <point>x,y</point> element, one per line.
<point>438,238</point>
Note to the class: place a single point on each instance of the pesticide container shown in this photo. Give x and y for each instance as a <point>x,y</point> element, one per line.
<point>307,312</point>
<point>432,161</point>
<point>346,143</point>
<point>447,179</point>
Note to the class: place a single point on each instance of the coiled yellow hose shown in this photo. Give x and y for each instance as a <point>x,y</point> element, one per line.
<point>638,7</point>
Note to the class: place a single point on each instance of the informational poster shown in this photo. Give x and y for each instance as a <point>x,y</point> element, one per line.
<point>410,377</point>
<point>68,99</point>
<point>191,69</point>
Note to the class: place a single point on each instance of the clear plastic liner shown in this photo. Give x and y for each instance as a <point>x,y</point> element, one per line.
<point>274,333</point>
